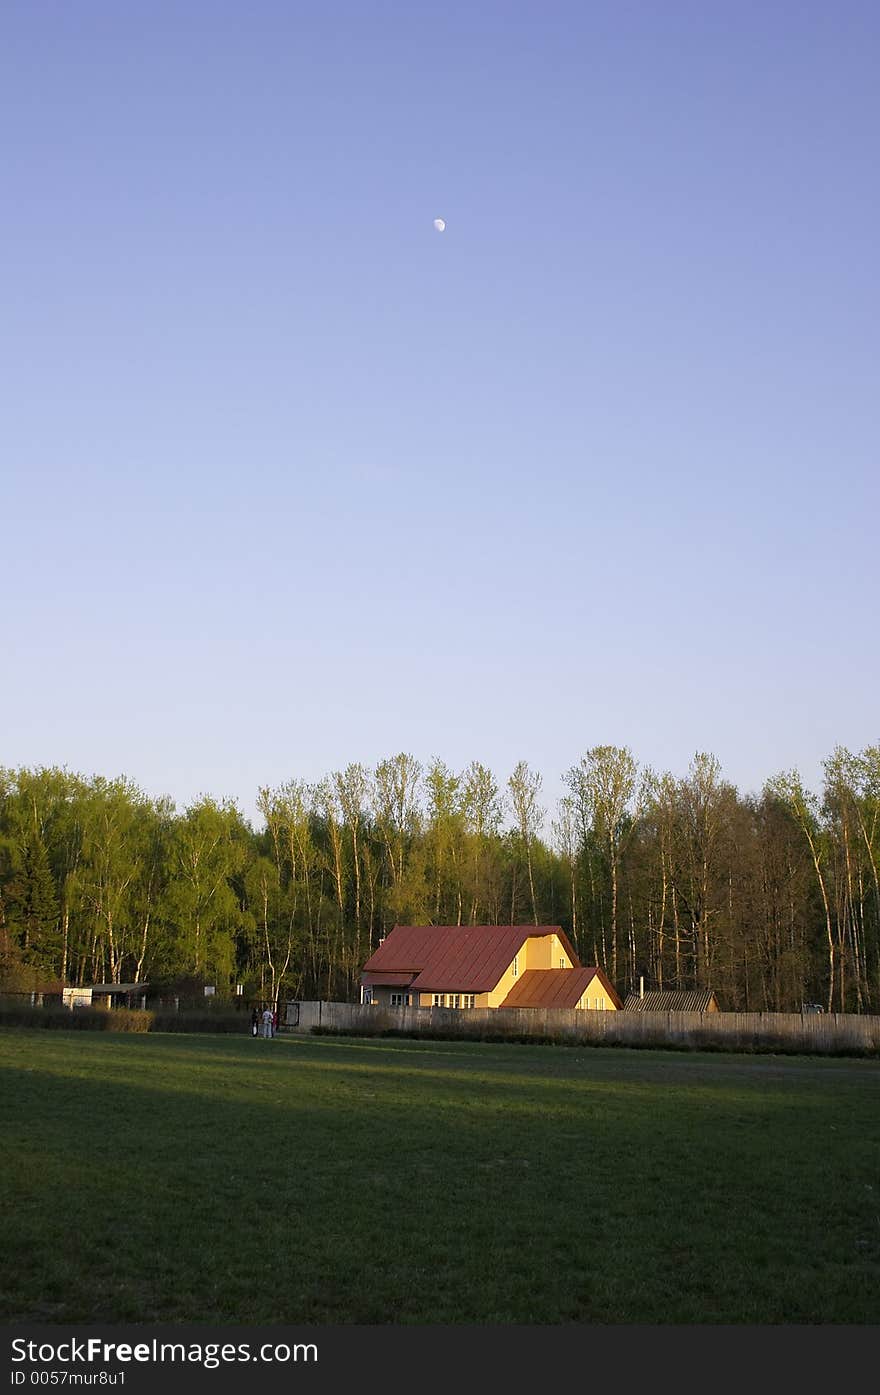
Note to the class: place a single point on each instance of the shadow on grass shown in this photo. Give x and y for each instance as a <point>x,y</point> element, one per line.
<point>150,1180</point>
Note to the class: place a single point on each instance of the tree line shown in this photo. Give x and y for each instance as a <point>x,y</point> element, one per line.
<point>769,899</point>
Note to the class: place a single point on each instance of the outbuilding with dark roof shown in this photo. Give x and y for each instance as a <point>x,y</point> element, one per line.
<point>691,1000</point>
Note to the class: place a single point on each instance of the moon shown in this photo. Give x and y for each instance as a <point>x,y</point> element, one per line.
<point>440,224</point>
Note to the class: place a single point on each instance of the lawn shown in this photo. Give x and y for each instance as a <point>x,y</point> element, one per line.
<point>328,1180</point>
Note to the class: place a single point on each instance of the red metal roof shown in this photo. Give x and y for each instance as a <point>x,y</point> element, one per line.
<point>455,958</point>
<point>554,988</point>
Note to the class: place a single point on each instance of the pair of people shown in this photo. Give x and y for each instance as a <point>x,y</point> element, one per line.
<point>264,1022</point>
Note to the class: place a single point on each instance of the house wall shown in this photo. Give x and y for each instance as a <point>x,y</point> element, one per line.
<point>506,981</point>
<point>426,1000</point>
<point>538,952</point>
<point>382,996</point>
<point>595,998</point>
<point>544,952</point>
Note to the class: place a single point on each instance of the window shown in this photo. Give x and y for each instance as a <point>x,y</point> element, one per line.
<point>467,1000</point>
<point>366,996</point>
<point>455,1000</point>
<point>437,1000</point>
<point>401,999</point>
<point>562,964</point>
<point>515,965</point>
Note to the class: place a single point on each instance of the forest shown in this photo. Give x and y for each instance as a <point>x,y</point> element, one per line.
<point>771,900</point>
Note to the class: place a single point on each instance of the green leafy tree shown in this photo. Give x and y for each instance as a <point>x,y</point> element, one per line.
<point>524,786</point>
<point>444,832</point>
<point>481,809</point>
<point>803,807</point>
<point>207,853</point>
<point>608,795</point>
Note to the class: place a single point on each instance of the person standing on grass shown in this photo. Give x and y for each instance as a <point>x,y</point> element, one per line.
<point>267,1022</point>
<point>255,1021</point>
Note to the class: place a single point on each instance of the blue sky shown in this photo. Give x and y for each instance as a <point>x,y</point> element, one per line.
<point>289,479</point>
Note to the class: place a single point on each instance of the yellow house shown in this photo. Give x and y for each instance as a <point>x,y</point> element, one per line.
<point>483,966</point>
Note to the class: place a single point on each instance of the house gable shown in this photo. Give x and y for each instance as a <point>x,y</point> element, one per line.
<point>586,988</point>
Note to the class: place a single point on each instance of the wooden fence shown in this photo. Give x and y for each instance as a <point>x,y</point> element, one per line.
<point>816,1033</point>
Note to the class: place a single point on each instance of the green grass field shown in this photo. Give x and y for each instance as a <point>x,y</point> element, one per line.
<point>320,1180</point>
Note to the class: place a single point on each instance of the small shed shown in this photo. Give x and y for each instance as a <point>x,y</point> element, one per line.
<point>693,1000</point>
